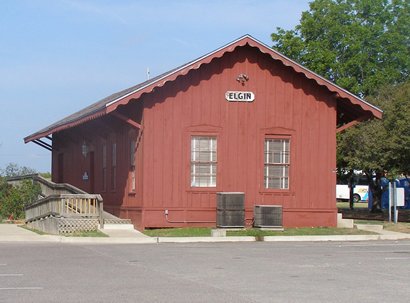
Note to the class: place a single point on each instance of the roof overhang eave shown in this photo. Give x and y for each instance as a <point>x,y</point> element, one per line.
<point>113,104</point>
<point>69,124</point>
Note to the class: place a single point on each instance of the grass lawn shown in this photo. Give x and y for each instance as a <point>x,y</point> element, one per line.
<point>356,205</point>
<point>253,232</point>
<point>306,231</point>
<point>93,233</point>
<point>6,221</point>
<point>179,232</point>
<point>401,227</point>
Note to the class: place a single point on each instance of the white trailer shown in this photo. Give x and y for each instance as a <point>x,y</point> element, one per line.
<point>360,193</point>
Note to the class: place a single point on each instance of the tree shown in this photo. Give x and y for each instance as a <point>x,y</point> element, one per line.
<point>360,148</point>
<point>360,45</point>
<point>14,198</point>
<point>363,46</point>
<point>380,145</point>
<point>396,104</point>
<point>14,170</point>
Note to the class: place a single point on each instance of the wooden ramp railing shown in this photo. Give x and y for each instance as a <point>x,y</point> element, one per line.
<point>63,202</point>
<point>68,206</point>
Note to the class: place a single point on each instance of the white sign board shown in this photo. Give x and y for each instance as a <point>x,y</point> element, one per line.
<point>85,176</point>
<point>238,96</point>
<point>400,196</point>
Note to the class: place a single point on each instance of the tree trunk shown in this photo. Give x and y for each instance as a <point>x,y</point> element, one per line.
<point>351,189</point>
<point>376,189</point>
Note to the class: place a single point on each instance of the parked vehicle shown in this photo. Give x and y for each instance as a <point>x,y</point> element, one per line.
<point>360,191</point>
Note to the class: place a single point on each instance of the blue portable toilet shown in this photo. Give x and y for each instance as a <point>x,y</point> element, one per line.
<point>401,183</point>
<point>384,183</point>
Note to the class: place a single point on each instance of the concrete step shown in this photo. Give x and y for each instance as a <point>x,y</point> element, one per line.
<point>119,226</point>
<point>122,233</point>
<point>344,223</point>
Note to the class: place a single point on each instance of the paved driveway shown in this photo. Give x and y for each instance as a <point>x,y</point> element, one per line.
<point>373,271</point>
<point>13,232</point>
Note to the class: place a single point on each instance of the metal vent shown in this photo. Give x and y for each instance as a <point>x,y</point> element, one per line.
<point>230,210</point>
<point>268,216</point>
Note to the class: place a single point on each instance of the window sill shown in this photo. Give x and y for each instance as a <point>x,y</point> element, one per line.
<point>203,189</point>
<point>282,192</point>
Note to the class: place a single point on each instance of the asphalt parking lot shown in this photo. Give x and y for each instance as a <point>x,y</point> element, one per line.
<point>372,271</point>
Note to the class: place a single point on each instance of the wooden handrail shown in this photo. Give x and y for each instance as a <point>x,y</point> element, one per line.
<point>52,187</point>
<point>61,199</point>
<point>67,205</point>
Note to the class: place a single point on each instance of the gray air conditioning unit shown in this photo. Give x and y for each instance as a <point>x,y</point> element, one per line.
<point>268,216</point>
<point>230,210</point>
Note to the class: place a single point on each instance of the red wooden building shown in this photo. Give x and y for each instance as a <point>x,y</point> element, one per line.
<point>243,118</point>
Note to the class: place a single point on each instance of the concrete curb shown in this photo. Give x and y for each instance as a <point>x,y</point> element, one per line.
<point>79,240</point>
<point>335,238</point>
<point>204,239</point>
<point>90,240</point>
<point>155,240</point>
<point>395,237</point>
<point>40,238</point>
<point>17,235</point>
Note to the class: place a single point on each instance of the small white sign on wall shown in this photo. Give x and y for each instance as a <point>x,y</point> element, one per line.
<point>239,96</point>
<point>85,176</point>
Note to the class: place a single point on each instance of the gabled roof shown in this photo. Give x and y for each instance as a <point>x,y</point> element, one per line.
<point>109,104</point>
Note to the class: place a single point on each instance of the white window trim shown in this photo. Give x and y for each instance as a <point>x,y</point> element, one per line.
<point>283,185</point>
<point>194,161</point>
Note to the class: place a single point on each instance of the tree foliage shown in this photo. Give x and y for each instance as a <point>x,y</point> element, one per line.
<point>360,45</point>
<point>363,46</point>
<point>14,170</point>
<point>14,198</point>
<point>381,144</point>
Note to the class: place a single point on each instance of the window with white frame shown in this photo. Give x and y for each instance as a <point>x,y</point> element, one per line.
<point>277,162</point>
<point>203,161</point>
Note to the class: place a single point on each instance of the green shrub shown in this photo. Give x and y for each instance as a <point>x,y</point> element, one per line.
<point>13,199</point>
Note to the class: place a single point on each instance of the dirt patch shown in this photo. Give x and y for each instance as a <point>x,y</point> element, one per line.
<point>399,227</point>
<point>365,214</point>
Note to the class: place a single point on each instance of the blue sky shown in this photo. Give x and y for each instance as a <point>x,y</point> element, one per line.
<point>58,56</point>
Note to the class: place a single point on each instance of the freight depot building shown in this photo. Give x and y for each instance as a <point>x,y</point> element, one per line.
<point>243,118</point>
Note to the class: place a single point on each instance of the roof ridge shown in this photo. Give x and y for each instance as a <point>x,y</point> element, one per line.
<point>111,102</point>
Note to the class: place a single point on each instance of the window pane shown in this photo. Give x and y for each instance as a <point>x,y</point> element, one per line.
<point>203,161</point>
<point>203,156</point>
<point>277,151</point>
<point>277,159</point>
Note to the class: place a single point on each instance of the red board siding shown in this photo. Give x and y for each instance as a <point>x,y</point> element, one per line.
<point>195,104</point>
<point>105,131</point>
<point>286,104</point>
